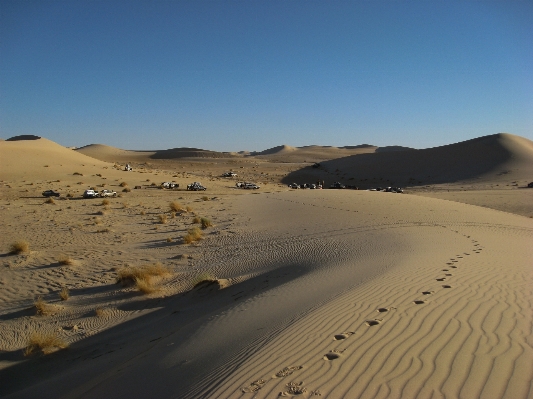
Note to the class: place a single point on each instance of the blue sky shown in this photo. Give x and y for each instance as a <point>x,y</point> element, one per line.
<point>250,75</point>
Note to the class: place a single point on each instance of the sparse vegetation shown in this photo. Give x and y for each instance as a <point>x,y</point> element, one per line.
<point>189,209</point>
<point>97,220</point>
<point>194,234</point>
<point>42,308</point>
<point>205,223</point>
<point>64,294</point>
<point>142,276</point>
<point>50,200</point>
<point>123,184</point>
<point>203,278</point>
<point>145,286</point>
<point>19,247</point>
<point>105,202</point>
<point>169,239</point>
<point>176,206</point>
<point>66,260</point>
<point>205,198</point>
<point>126,190</point>
<point>45,342</point>
<point>196,220</point>
<point>143,213</point>
<point>163,218</point>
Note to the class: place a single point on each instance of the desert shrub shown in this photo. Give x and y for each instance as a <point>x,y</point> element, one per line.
<point>204,277</point>
<point>205,198</point>
<point>173,215</point>
<point>126,190</point>
<point>64,294</point>
<point>45,342</point>
<point>145,285</point>
<point>50,200</point>
<point>66,260</point>
<point>189,209</point>
<point>196,219</point>
<point>123,184</point>
<point>105,201</point>
<point>143,213</point>
<point>42,307</point>
<point>97,220</point>
<point>194,234</point>
<point>169,239</point>
<point>176,206</point>
<point>19,247</point>
<point>205,223</point>
<point>130,274</point>
<point>163,218</point>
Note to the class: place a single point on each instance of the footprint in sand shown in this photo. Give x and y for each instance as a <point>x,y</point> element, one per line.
<point>444,270</point>
<point>427,292</point>
<point>383,310</point>
<point>446,286</point>
<point>254,386</point>
<point>418,302</point>
<point>286,371</point>
<point>344,335</point>
<point>440,279</point>
<point>334,354</point>
<point>295,388</point>
<point>374,322</point>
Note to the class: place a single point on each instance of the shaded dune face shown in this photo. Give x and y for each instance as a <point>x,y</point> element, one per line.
<point>490,156</point>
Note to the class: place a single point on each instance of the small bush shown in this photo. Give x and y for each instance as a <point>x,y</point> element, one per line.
<point>205,223</point>
<point>169,239</point>
<point>66,260</point>
<point>69,195</point>
<point>105,202</point>
<point>176,206</point>
<point>205,198</point>
<point>126,190</point>
<point>194,234</point>
<point>173,215</point>
<point>145,285</point>
<point>196,219</point>
<point>97,220</point>
<point>143,213</point>
<point>50,200</point>
<point>163,219</point>
<point>20,247</point>
<point>123,184</point>
<point>189,209</point>
<point>42,307</point>
<point>45,342</point>
<point>64,294</point>
<point>131,274</point>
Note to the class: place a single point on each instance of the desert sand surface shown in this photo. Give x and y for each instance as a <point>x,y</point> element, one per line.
<point>304,293</point>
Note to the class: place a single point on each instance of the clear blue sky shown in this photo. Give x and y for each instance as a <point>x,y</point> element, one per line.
<point>250,75</point>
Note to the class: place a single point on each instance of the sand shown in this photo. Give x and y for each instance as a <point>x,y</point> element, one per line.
<point>330,293</point>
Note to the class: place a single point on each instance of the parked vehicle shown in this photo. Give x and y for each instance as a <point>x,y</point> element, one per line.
<point>337,185</point>
<point>108,193</point>
<point>169,185</point>
<point>196,186</point>
<point>294,185</point>
<point>247,185</point>
<point>50,193</point>
<point>229,174</point>
<point>90,194</point>
<point>530,185</point>
<point>128,168</point>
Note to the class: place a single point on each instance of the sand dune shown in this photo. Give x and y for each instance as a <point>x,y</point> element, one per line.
<point>330,293</point>
<point>496,157</point>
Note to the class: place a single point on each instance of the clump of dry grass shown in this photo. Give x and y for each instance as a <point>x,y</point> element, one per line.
<point>105,201</point>
<point>142,276</point>
<point>176,206</point>
<point>69,195</point>
<point>42,307</point>
<point>163,218</point>
<point>66,260</point>
<point>123,184</point>
<point>50,200</point>
<point>205,223</point>
<point>194,234</point>
<point>205,198</point>
<point>196,219</point>
<point>97,220</point>
<point>19,247</point>
<point>189,209</point>
<point>64,294</point>
<point>173,215</point>
<point>46,342</point>
<point>143,213</point>
<point>126,190</point>
<point>169,239</point>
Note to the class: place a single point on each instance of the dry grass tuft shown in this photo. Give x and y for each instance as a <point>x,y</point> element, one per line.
<point>66,260</point>
<point>64,294</point>
<point>169,239</point>
<point>46,342</point>
<point>20,247</point>
<point>123,184</point>
<point>189,209</point>
<point>194,234</point>
<point>196,220</point>
<point>205,223</point>
<point>105,202</point>
<point>141,276</point>
<point>163,218</point>
<point>205,198</point>
<point>176,206</point>
<point>143,213</point>
<point>203,278</point>
<point>50,200</point>
<point>102,312</point>
<point>42,307</point>
<point>126,190</point>
<point>97,220</point>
